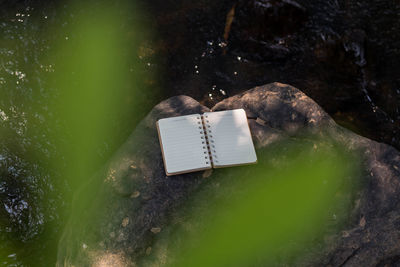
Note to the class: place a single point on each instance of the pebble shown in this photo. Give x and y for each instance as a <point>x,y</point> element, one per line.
<point>125,222</point>
<point>207,173</point>
<point>155,230</point>
<point>135,194</point>
<point>148,251</point>
<point>363,222</point>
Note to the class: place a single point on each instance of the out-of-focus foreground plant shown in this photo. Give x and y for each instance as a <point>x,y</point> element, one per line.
<point>69,97</point>
<point>275,210</point>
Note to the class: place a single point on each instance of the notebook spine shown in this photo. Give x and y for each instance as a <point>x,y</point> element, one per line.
<point>204,140</point>
<point>207,129</point>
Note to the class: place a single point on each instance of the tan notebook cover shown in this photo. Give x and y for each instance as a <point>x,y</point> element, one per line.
<point>200,142</point>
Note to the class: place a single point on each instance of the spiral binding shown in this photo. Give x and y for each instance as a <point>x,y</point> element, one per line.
<point>209,141</point>
<point>204,140</point>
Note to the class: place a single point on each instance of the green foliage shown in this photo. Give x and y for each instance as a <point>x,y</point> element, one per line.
<point>259,214</point>
<point>96,86</point>
<point>69,96</point>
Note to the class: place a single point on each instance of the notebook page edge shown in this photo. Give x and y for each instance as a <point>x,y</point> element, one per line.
<point>162,147</point>
<point>235,165</point>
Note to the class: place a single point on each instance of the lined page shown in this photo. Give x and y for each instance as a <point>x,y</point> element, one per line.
<point>230,138</point>
<point>183,144</point>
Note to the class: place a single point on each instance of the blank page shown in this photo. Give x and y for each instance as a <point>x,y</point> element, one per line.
<point>183,144</point>
<point>230,138</point>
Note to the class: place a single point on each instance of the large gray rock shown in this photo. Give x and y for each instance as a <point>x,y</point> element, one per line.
<point>119,212</point>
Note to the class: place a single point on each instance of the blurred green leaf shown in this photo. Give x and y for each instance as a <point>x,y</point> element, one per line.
<point>252,219</point>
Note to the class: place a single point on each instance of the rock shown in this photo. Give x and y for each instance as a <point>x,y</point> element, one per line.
<point>111,202</point>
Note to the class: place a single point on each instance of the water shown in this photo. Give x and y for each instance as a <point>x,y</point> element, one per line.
<point>343,54</point>
<point>340,53</point>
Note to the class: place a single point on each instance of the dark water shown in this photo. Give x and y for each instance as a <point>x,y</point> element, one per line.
<point>343,54</point>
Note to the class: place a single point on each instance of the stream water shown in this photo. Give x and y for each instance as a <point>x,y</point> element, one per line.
<point>345,54</point>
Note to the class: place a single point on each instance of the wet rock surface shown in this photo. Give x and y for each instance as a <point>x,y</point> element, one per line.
<point>326,48</point>
<point>134,201</point>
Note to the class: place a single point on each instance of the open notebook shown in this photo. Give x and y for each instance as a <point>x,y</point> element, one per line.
<point>199,142</point>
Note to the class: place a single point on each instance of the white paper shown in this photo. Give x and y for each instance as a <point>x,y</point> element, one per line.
<point>230,138</point>
<point>183,143</point>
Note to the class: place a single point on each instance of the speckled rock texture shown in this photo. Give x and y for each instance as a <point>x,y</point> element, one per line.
<point>118,214</point>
